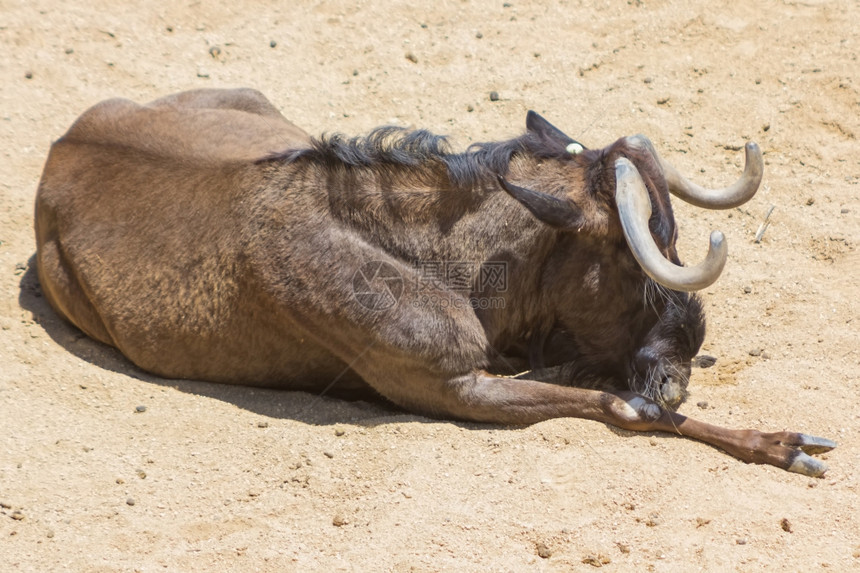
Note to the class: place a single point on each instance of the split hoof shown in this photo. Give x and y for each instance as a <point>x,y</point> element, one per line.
<point>802,462</point>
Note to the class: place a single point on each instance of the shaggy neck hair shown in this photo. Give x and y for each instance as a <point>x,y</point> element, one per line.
<point>390,147</point>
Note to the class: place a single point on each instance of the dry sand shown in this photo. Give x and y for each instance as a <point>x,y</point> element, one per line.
<point>218,478</point>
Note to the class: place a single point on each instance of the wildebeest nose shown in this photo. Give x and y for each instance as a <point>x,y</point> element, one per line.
<point>671,391</point>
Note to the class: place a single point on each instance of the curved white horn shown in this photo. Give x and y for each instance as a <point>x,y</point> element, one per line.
<point>732,196</point>
<point>634,209</point>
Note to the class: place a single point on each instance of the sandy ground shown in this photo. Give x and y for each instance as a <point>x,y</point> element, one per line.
<point>215,478</point>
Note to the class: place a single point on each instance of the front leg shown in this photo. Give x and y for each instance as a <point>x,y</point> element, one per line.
<point>790,451</point>
<point>430,358</point>
<point>486,398</point>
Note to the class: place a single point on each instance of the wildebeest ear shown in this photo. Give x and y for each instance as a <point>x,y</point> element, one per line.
<point>555,212</point>
<point>536,124</point>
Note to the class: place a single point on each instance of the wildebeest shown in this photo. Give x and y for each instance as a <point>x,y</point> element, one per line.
<point>207,237</point>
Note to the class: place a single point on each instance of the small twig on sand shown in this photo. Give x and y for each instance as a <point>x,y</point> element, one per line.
<point>763,227</point>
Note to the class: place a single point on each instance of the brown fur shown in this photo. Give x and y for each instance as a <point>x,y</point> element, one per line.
<point>207,237</point>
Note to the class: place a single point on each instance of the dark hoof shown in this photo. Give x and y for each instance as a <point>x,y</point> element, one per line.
<point>801,462</point>
<point>806,465</point>
<point>814,445</point>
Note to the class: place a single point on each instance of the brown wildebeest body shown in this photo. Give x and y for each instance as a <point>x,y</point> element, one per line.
<point>179,233</point>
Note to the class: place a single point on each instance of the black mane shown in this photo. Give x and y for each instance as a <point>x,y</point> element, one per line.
<point>391,146</point>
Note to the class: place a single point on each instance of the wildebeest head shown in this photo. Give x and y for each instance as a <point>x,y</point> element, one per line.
<point>623,303</point>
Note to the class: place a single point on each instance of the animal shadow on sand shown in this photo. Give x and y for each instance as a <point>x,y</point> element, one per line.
<point>331,408</point>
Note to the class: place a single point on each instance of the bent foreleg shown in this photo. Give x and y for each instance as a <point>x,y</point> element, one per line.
<point>482,397</point>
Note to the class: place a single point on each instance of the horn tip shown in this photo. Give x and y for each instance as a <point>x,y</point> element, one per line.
<point>719,250</point>
<point>753,155</point>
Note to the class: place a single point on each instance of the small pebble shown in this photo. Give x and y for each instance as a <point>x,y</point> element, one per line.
<point>28,75</point>
<point>214,51</point>
<point>339,521</point>
<point>663,100</point>
<point>494,96</point>
<point>141,474</point>
<point>470,108</point>
<point>339,431</point>
<point>70,50</point>
<point>479,35</point>
<point>120,481</point>
<point>328,454</point>
<point>741,541</point>
<point>140,409</point>
<point>598,560</point>
<point>747,289</point>
<point>703,405</point>
<point>543,551</point>
<point>262,424</point>
<point>810,201</point>
<point>50,534</point>
<point>755,352</point>
<point>202,73</point>
<point>412,58</point>
<point>273,44</point>
<point>703,361</point>
<point>785,524</point>
<point>17,515</point>
<point>130,501</point>
<point>648,80</point>
<point>845,211</point>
